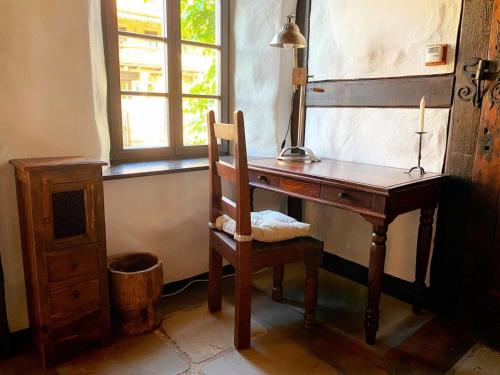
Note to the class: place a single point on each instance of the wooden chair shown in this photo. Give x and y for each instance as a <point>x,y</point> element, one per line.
<point>245,254</point>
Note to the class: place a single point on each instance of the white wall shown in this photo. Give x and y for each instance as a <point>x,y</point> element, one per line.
<point>262,74</point>
<point>385,38</point>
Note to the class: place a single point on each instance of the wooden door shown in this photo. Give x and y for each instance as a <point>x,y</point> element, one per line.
<point>484,222</point>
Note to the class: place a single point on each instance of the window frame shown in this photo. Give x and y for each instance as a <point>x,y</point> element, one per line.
<point>173,45</point>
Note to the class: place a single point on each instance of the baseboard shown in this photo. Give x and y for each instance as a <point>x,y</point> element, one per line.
<point>174,286</point>
<point>391,285</point>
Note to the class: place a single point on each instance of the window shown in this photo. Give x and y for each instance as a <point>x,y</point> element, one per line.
<point>167,63</point>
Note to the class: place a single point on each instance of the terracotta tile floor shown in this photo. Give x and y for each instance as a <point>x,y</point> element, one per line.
<point>193,341</point>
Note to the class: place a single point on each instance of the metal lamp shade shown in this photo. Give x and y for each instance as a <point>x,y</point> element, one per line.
<point>289,36</point>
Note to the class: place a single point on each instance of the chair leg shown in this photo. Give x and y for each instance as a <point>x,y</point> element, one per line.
<point>214,281</point>
<point>243,307</point>
<point>277,291</point>
<point>310,296</point>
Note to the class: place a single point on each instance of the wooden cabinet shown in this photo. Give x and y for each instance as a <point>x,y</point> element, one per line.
<point>61,214</point>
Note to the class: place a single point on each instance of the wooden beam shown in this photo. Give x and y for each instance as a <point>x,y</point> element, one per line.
<point>302,19</point>
<point>382,92</point>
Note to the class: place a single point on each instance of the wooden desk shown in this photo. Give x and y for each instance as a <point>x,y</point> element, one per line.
<point>379,194</point>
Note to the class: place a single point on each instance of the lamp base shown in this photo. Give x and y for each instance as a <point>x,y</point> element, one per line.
<point>297,153</point>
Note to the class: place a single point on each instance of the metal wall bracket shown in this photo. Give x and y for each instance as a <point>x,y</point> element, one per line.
<point>476,71</point>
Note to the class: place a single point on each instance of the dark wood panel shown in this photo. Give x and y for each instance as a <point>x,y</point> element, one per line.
<point>483,226</point>
<point>4,325</point>
<point>474,34</point>
<point>447,266</point>
<point>382,92</point>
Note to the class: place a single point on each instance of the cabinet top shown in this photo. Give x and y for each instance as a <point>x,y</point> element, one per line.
<point>54,162</point>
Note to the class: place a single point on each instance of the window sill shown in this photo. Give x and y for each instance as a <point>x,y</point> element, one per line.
<point>153,168</point>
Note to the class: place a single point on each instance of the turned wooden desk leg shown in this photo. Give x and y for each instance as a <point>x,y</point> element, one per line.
<point>423,251</point>
<point>375,274</point>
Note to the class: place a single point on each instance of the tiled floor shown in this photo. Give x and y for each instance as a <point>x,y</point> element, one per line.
<point>193,341</point>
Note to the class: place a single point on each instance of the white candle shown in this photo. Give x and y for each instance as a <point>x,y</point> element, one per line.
<point>422,115</point>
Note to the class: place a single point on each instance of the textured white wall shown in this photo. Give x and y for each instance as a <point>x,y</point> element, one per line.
<point>384,38</point>
<point>262,74</point>
<point>382,136</point>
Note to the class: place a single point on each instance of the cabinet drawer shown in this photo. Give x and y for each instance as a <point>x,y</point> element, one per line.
<point>81,262</point>
<point>346,197</point>
<point>88,327</point>
<point>263,179</point>
<point>69,301</point>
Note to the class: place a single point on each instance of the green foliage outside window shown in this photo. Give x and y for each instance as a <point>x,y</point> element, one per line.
<point>198,24</point>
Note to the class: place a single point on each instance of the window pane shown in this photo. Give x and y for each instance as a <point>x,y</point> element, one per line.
<point>144,121</point>
<point>200,70</point>
<point>141,16</point>
<point>142,65</point>
<point>194,112</point>
<point>199,20</point>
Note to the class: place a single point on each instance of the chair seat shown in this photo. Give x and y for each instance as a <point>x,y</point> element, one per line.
<point>266,254</point>
<point>268,226</point>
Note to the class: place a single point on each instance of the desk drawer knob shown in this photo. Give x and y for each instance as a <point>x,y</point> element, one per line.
<point>262,178</point>
<point>343,195</point>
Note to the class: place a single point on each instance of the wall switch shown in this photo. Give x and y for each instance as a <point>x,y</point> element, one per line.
<point>435,54</point>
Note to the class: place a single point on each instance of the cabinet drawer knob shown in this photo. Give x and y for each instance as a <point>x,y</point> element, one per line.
<point>76,294</point>
<point>262,178</point>
<point>342,195</point>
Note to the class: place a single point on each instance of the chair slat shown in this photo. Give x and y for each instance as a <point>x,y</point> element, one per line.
<point>224,131</point>
<point>227,206</point>
<point>226,171</point>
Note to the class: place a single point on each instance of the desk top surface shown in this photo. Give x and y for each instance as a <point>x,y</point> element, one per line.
<point>383,178</point>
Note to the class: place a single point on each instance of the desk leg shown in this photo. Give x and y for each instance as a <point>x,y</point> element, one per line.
<point>375,274</point>
<point>423,251</point>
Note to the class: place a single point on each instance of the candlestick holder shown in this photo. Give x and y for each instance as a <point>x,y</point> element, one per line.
<point>418,167</point>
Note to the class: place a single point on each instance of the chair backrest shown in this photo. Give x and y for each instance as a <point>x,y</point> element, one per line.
<point>237,174</point>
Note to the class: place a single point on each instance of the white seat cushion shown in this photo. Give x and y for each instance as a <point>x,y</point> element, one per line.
<point>268,226</point>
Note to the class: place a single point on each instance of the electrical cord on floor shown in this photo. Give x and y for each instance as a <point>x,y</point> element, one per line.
<point>202,281</point>
<point>289,122</point>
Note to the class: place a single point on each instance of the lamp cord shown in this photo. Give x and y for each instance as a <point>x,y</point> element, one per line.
<point>289,121</point>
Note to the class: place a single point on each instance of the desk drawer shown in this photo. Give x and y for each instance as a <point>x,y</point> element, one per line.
<point>307,189</point>
<point>347,197</point>
<point>263,179</point>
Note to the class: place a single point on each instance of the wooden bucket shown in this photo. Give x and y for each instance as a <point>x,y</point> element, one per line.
<point>136,282</point>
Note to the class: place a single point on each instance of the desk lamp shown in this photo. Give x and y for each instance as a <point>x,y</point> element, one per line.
<point>290,37</point>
